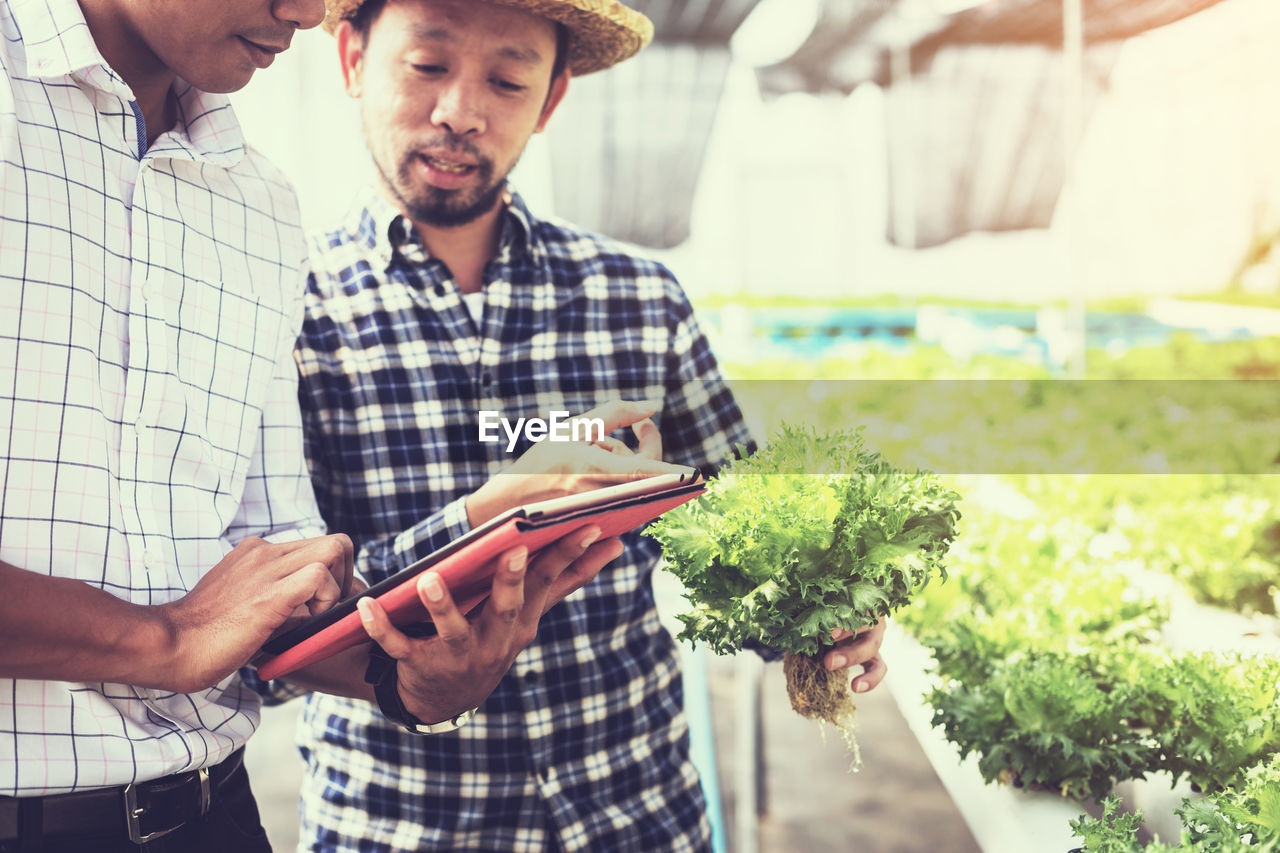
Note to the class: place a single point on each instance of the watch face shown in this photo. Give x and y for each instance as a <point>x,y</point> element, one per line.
<point>444,726</point>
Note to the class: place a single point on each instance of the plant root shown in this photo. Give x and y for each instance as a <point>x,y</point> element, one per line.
<point>818,693</point>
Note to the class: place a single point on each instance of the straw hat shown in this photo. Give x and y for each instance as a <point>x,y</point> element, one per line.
<point>601,32</point>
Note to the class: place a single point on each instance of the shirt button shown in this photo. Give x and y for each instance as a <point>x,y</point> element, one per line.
<point>151,559</point>
<point>151,290</point>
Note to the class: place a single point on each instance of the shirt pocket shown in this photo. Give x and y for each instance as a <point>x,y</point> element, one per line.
<point>226,342</point>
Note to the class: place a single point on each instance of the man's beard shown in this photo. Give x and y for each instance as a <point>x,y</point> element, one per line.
<point>445,208</point>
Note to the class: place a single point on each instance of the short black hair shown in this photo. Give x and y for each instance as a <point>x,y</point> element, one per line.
<point>562,50</point>
<point>368,12</point>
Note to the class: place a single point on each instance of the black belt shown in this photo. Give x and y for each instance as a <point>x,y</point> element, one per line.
<point>142,812</point>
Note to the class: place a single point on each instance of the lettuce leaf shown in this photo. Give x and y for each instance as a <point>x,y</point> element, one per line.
<point>812,532</point>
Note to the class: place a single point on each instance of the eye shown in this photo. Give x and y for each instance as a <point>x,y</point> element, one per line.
<point>507,85</point>
<point>430,69</point>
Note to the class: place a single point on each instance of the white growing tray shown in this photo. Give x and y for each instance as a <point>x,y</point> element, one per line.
<point>1004,819</point>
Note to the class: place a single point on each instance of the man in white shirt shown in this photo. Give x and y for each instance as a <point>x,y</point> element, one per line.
<point>157,523</point>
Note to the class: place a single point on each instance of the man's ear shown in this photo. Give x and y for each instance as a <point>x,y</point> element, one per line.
<point>559,86</point>
<point>351,55</point>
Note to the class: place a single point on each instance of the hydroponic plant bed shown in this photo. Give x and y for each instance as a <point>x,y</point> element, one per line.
<point>1063,658</point>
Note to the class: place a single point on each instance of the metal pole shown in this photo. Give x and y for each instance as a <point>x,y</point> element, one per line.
<point>1072,127</point>
<point>747,746</point>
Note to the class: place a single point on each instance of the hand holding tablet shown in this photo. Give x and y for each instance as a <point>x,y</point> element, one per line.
<point>467,565</point>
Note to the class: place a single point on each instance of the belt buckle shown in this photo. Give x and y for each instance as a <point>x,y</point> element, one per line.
<point>133,813</point>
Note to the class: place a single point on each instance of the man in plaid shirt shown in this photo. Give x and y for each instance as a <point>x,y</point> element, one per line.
<point>441,297</point>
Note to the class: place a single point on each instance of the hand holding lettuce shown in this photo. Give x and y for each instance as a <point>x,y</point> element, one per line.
<point>812,533</point>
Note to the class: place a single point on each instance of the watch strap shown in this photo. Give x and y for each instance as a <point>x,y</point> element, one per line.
<point>381,673</point>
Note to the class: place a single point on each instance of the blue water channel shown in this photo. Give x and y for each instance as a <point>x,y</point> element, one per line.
<point>809,332</point>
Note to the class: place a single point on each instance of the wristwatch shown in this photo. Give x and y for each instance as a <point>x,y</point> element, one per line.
<point>381,673</point>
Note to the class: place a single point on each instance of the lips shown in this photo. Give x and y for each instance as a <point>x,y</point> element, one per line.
<point>446,172</point>
<point>261,54</point>
<point>452,167</point>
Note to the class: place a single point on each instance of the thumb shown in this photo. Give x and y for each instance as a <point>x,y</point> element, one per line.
<point>648,438</point>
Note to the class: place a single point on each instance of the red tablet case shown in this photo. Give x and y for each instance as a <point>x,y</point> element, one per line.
<point>465,565</point>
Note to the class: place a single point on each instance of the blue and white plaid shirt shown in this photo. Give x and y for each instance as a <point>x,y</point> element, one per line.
<point>584,744</point>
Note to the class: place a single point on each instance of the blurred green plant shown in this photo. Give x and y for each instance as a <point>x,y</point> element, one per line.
<point>1243,819</point>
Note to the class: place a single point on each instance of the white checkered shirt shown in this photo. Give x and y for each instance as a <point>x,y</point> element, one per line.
<point>149,301</point>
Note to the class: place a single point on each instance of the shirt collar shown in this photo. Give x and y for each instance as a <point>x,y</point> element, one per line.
<point>58,44</point>
<point>517,231</point>
<point>55,37</point>
<point>207,128</point>
<point>379,226</point>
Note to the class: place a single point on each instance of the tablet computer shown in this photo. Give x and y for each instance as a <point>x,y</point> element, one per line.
<point>465,564</point>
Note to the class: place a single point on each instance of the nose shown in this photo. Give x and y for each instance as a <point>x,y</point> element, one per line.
<point>455,109</point>
<point>303,14</point>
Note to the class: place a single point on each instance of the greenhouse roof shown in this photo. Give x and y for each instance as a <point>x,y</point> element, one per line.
<point>851,41</point>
